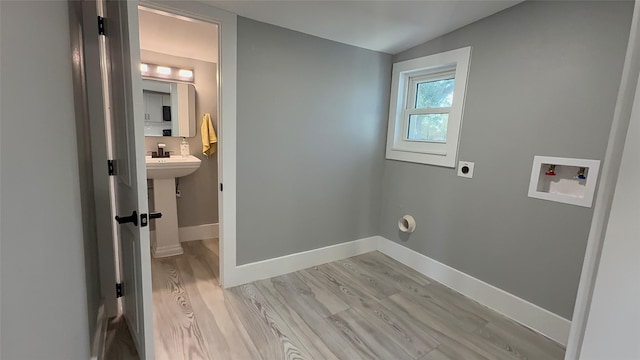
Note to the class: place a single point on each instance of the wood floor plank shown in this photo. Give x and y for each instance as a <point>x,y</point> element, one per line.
<point>203,252</point>
<point>367,337</point>
<point>315,298</point>
<point>211,244</point>
<point>301,299</point>
<point>378,340</point>
<point>272,336</point>
<point>223,335</point>
<point>444,328</point>
<point>402,280</point>
<point>447,352</point>
<point>433,293</point>
<point>464,319</point>
<point>345,289</point>
<point>176,328</point>
<point>514,338</point>
<point>448,297</point>
<point>378,287</point>
<point>326,299</point>
<point>400,329</point>
<point>308,338</point>
<point>437,355</point>
<point>378,259</point>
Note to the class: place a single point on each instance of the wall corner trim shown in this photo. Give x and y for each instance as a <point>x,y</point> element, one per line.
<point>530,315</point>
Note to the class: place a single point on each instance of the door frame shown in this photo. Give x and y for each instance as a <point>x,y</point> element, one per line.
<point>227,78</point>
<point>101,152</point>
<point>629,85</point>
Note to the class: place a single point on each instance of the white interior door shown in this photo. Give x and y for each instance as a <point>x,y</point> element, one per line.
<point>126,104</point>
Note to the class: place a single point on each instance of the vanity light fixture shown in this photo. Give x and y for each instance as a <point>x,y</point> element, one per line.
<point>165,72</point>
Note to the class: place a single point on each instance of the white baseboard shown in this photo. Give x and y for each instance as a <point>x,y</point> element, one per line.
<point>100,335</point>
<point>290,263</point>
<point>166,251</point>
<point>520,310</point>
<point>198,232</point>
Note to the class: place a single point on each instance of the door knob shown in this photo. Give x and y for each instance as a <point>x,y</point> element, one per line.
<point>133,218</point>
<point>156,215</point>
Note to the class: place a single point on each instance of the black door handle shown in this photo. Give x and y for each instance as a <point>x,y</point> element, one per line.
<point>157,215</point>
<point>133,218</point>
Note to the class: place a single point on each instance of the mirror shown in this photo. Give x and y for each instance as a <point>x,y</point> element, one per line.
<point>169,108</point>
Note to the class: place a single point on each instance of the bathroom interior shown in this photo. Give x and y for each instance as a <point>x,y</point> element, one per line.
<point>179,59</point>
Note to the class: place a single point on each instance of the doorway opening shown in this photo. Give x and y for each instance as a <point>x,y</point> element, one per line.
<point>180,80</point>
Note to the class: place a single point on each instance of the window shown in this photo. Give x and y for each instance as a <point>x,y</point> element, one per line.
<point>425,113</point>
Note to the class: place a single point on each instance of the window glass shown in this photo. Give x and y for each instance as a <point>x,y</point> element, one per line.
<point>428,127</point>
<point>434,94</point>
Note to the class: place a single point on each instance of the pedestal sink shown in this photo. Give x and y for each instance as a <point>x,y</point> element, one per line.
<point>163,172</point>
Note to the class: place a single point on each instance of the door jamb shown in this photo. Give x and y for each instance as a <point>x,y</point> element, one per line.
<point>100,153</point>
<point>606,188</point>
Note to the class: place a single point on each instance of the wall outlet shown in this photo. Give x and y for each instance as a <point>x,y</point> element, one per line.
<point>465,169</point>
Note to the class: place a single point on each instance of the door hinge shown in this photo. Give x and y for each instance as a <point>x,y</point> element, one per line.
<point>101,26</point>
<point>118,290</point>
<point>144,221</point>
<point>220,186</point>
<point>111,167</point>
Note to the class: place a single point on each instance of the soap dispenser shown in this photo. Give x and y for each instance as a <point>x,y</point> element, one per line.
<point>184,148</point>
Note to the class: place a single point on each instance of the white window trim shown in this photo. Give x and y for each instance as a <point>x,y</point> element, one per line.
<point>405,73</point>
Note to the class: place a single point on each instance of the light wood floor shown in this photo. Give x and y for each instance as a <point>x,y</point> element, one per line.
<point>364,307</point>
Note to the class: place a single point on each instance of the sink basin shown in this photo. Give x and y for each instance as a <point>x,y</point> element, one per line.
<point>171,167</point>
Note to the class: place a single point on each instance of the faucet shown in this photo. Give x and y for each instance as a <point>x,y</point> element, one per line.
<point>160,153</point>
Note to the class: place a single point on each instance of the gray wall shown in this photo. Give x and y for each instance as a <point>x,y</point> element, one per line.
<point>543,81</point>
<point>44,300</point>
<point>83,138</point>
<point>198,203</point>
<point>311,122</point>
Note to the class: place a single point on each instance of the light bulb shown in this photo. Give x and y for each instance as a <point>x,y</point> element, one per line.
<point>163,70</point>
<point>185,73</point>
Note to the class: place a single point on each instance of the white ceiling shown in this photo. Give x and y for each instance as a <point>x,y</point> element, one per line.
<point>178,36</point>
<point>386,26</point>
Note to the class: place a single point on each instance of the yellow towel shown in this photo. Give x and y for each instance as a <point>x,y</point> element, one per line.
<point>209,139</point>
